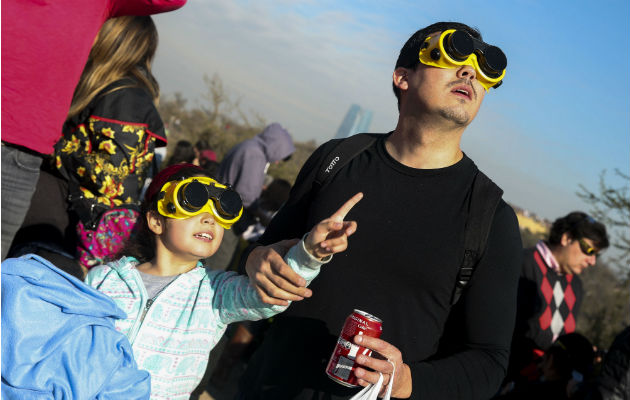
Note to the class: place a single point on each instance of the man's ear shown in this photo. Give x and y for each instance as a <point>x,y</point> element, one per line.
<point>400,78</point>
<point>155,222</point>
<point>566,239</point>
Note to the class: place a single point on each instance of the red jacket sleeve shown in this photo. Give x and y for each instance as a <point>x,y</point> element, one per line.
<point>143,7</point>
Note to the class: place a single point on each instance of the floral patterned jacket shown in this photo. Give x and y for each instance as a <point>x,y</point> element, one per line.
<point>108,148</point>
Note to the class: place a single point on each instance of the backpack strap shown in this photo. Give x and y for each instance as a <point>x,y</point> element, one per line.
<point>342,154</point>
<point>484,200</point>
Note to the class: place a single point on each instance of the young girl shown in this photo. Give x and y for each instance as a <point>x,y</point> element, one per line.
<point>176,309</point>
<point>110,135</point>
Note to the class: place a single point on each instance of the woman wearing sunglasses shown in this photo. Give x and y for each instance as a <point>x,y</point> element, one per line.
<point>550,290</point>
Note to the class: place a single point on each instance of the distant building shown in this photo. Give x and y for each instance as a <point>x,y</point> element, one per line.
<point>532,222</point>
<point>357,120</point>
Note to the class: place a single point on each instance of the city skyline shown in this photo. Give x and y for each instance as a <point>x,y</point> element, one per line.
<point>357,120</point>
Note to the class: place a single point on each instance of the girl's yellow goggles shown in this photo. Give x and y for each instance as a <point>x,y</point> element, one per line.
<point>454,48</point>
<point>193,196</point>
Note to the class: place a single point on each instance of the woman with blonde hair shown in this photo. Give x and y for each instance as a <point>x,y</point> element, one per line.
<point>110,135</point>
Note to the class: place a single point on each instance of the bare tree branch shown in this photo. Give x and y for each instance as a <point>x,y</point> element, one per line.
<point>611,205</point>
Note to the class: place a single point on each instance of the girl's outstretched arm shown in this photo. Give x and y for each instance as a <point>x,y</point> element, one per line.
<point>275,281</point>
<point>236,300</point>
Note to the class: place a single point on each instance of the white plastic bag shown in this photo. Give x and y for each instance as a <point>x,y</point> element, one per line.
<point>370,392</point>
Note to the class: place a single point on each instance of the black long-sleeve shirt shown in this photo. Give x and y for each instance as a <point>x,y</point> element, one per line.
<point>400,266</point>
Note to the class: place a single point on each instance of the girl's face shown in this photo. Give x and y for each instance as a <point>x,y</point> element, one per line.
<point>192,238</point>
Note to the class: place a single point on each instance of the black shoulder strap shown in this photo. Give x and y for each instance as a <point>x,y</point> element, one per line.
<point>341,154</point>
<point>484,200</point>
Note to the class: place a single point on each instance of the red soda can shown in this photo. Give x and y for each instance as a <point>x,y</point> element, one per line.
<point>342,362</point>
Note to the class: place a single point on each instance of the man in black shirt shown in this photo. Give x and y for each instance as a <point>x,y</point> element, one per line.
<point>405,256</point>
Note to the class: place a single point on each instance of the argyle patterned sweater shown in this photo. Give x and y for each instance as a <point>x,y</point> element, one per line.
<point>548,304</point>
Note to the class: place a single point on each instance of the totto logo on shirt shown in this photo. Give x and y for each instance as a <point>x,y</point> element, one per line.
<point>332,164</point>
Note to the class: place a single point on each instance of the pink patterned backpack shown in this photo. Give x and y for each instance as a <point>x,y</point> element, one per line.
<point>101,238</point>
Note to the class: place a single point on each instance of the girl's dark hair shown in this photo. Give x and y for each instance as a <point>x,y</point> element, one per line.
<point>579,225</point>
<point>570,352</point>
<point>275,195</point>
<point>202,144</point>
<point>211,167</point>
<point>141,244</point>
<point>184,152</point>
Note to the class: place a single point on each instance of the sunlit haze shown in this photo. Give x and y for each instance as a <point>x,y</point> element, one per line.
<point>559,119</point>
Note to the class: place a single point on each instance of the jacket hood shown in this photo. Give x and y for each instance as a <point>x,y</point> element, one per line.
<point>277,142</point>
<point>59,339</point>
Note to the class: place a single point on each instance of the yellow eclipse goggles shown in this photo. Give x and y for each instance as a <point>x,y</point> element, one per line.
<point>193,196</point>
<point>454,48</point>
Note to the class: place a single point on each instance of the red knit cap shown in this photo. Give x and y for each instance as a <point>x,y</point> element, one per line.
<point>164,176</point>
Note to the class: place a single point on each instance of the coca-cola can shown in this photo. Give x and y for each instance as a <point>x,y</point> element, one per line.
<point>342,362</point>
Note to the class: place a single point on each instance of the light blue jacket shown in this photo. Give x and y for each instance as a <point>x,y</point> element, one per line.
<point>59,340</point>
<point>173,333</point>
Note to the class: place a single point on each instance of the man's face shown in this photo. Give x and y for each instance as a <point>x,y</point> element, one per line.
<point>451,93</point>
<point>572,258</point>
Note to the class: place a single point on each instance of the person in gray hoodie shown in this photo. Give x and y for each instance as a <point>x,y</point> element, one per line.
<point>244,167</point>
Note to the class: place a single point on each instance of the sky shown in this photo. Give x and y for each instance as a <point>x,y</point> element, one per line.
<point>561,117</point>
